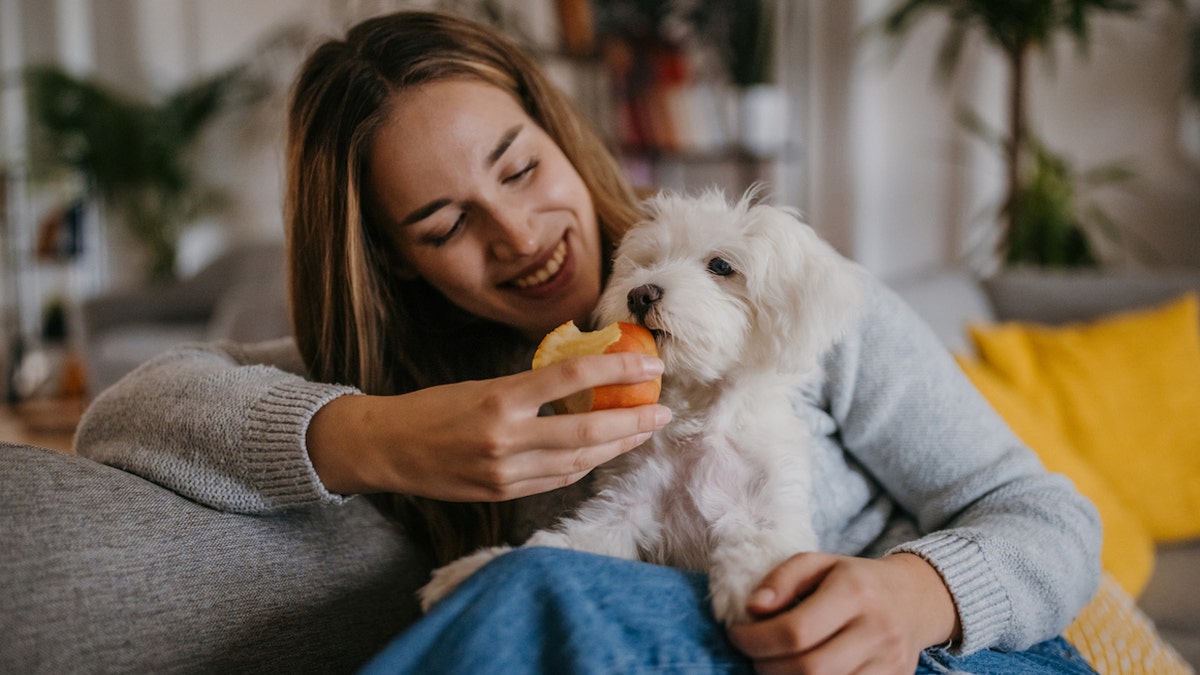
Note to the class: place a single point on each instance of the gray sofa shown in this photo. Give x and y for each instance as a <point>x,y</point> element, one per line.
<point>239,296</point>
<point>101,571</point>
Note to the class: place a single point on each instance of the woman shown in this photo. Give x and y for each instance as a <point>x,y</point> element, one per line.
<point>446,208</point>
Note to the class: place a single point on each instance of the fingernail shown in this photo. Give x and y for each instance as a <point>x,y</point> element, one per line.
<point>763,597</point>
<point>641,438</point>
<point>652,366</point>
<point>662,415</point>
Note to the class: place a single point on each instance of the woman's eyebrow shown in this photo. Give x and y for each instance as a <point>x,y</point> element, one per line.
<point>424,212</point>
<point>494,156</point>
<point>505,141</point>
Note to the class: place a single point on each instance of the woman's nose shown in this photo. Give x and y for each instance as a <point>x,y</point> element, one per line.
<point>514,234</point>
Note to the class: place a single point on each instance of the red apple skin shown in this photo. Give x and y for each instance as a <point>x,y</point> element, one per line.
<point>634,338</point>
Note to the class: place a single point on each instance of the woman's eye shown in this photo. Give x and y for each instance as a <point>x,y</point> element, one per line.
<point>528,169</point>
<point>720,267</point>
<point>440,239</point>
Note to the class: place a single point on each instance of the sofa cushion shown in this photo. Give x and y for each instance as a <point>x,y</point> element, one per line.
<point>1127,550</point>
<point>105,572</point>
<point>1117,638</point>
<point>1125,391</point>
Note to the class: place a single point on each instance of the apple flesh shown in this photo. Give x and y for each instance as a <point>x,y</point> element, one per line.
<point>567,341</point>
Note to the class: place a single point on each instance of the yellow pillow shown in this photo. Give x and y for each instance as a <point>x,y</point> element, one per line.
<point>1125,391</point>
<point>1117,638</point>
<point>1127,551</point>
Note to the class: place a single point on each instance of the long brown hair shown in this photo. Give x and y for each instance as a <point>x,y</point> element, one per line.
<point>355,320</point>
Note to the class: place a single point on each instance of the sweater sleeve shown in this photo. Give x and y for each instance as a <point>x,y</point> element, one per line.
<point>221,424</point>
<point>1017,547</point>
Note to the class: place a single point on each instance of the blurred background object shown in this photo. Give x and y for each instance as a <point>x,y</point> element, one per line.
<point>806,95</point>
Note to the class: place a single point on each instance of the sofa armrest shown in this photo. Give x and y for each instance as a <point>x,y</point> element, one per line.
<point>105,572</point>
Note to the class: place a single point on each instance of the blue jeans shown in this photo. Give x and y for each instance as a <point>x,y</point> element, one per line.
<point>542,610</point>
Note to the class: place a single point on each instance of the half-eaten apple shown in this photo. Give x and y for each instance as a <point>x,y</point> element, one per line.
<point>567,341</point>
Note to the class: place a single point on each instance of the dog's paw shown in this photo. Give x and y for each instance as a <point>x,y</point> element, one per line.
<point>730,592</point>
<point>730,608</point>
<point>445,579</point>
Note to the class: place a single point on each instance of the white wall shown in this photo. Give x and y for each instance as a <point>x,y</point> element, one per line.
<point>897,184</point>
<point>1140,63</point>
<point>888,176</point>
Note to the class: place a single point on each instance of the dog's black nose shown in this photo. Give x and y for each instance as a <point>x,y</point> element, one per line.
<point>641,299</point>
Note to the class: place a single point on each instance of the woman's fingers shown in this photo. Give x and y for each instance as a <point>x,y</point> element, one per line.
<point>559,432</point>
<point>573,445</point>
<point>853,615</point>
<point>796,577</point>
<point>585,441</point>
<point>564,378</point>
<point>791,627</point>
<point>484,440</point>
<point>843,653</point>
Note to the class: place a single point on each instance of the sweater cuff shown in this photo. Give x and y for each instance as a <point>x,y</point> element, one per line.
<point>981,601</point>
<point>276,440</point>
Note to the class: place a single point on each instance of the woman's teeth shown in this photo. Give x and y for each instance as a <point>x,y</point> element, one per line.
<point>543,275</point>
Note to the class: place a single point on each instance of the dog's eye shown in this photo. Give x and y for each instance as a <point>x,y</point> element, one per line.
<point>720,267</point>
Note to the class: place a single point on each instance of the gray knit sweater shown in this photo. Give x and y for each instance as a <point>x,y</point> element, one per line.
<point>909,458</point>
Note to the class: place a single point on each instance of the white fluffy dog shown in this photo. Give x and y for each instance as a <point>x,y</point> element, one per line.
<point>743,299</point>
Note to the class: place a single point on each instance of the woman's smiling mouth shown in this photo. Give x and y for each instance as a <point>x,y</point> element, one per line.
<point>547,271</point>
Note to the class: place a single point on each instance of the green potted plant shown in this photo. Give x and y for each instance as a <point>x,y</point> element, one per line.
<point>1038,193</point>
<point>132,153</point>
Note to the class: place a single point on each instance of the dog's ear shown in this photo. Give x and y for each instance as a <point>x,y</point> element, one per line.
<point>805,294</point>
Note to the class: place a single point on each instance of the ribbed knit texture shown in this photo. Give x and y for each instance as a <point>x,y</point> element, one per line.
<point>907,457</point>
<point>221,424</point>
<point>983,603</point>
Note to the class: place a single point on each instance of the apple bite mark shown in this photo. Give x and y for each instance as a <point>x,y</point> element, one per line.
<point>567,341</point>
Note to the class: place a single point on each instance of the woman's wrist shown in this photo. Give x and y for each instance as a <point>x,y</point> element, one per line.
<point>931,600</point>
<point>341,449</point>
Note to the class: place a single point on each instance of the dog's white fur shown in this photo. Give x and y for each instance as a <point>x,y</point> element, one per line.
<point>725,487</point>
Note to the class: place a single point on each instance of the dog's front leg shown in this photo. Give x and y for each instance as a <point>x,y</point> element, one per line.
<point>621,520</point>
<point>448,577</point>
<point>617,522</point>
<point>750,539</point>
<point>739,564</point>
<point>607,528</point>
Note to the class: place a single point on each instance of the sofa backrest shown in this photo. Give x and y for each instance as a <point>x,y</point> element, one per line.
<point>946,299</point>
<point>1059,297</point>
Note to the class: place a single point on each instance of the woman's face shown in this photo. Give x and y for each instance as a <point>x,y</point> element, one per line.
<point>483,205</point>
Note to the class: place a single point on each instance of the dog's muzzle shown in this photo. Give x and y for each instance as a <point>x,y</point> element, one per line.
<point>641,299</point>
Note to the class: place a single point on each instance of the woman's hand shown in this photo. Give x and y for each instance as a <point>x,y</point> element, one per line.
<point>481,440</point>
<point>824,613</point>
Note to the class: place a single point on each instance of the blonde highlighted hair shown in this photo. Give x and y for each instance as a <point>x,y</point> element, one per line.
<point>356,320</point>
